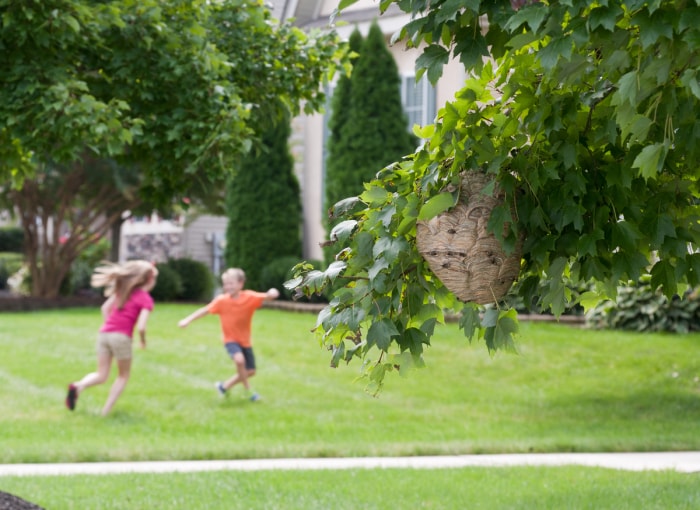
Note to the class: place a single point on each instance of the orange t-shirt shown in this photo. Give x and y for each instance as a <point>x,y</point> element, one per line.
<point>236,314</point>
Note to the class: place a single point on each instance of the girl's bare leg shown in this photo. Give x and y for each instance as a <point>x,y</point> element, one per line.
<point>124,366</point>
<point>104,362</point>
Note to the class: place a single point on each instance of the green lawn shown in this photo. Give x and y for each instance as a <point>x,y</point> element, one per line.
<point>515,488</point>
<point>569,389</point>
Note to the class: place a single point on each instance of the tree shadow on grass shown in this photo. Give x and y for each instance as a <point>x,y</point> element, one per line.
<point>641,421</point>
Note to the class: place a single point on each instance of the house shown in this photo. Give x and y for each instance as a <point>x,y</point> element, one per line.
<point>200,237</point>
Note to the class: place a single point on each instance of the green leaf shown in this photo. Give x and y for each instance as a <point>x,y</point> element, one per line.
<point>664,228</point>
<point>72,23</point>
<point>343,207</point>
<point>501,334</point>
<point>533,15</point>
<point>689,79</point>
<point>604,16</point>
<point>471,50</point>
<point>589,300</point>
<point>650,160</point>
<point>663,275</point>
<point>343,230</point>
<point>404,361</point>
<point>627,88</point>
<point>433,59</point>
<point>559,47</point>
<point>338,354</point>
<point>335,269</point>
<point>375,196</point>
<point>588,242</point>
<point>652,27</point>
<point>424,132</point>
<point>379,265</point>
<point>469,321</point>
<point>380,334</point>
<point>436,205</point>
<point>625,235</point>
<point>344,4</point>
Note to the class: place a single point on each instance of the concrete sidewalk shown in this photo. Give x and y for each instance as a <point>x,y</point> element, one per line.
<point>686,462</point>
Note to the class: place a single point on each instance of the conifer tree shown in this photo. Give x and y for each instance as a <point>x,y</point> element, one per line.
<point>375,128</point>
<point>340,111</point>
<point>264,205</point>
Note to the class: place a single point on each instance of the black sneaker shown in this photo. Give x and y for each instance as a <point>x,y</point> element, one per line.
<point>72,397</point>
<point>222,390</point>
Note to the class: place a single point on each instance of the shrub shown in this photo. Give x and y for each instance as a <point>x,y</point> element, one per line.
<point>77,281</point>
<point>12,239</point>
<point>168,285</point>
<point>638,308</point>
<point>276,273</point>
<point>197,280</point>
<point>264,204</point>
<point>10,263</point>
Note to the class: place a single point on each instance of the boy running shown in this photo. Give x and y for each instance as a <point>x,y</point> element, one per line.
<point>235,308</point>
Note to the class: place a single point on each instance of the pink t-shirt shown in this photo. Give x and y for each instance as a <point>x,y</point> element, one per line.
<point>124,320</point>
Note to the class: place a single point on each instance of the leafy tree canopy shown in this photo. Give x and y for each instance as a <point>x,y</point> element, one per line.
<point>585,113</point>
<point>163,94</point>
<point>165,85</point>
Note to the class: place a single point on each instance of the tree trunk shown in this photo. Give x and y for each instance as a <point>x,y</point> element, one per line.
<point>116,236</point>
<point>62,214</point>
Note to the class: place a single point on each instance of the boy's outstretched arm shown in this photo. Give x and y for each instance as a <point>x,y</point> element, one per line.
<point>193,316</point>
<point>272,294</point>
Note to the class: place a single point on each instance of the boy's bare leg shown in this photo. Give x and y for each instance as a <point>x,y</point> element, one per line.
<point>243,374</point>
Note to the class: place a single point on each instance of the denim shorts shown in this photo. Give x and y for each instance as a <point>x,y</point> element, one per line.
<point>114,344</point>
<point>234,348</point>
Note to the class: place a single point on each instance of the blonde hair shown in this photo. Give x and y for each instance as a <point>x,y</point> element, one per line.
<point>122,279</point>
<point>234,272</point>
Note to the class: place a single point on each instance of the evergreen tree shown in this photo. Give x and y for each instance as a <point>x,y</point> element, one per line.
<point>264,205</point>
<point>373,130</point>
<point>335,188</point>
<point>340,111</point>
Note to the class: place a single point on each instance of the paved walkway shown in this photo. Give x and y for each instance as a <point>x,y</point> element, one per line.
<point>686,462</point>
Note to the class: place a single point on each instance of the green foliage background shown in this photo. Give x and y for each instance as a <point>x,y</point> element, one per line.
<point>264,204</point>
<point>369,128</point>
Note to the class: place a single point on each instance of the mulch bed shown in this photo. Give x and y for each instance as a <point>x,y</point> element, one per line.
<point>10,303</point>
<point>10,502</point>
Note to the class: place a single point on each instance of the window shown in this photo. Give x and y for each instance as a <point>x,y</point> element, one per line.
<point>418,100</point>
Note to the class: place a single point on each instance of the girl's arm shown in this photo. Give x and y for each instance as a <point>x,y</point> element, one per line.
<point>141,326</point>
<point>107,306</point>
<point>194,316</point>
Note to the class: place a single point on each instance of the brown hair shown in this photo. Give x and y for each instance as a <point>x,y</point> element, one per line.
<point>122,279</point>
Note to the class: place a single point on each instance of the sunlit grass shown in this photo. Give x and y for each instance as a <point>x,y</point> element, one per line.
<point>568,390</point>
<point>473,488</point>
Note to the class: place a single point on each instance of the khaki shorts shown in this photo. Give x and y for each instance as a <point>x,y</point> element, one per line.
<point>117,345</point>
